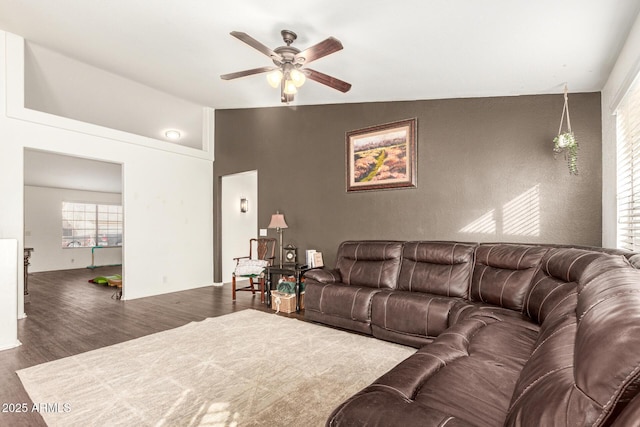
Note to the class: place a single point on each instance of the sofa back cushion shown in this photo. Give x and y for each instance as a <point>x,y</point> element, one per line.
<point>503,273</point>
<point>557,277</point>
<point>440,268</point>
<point>373,264</point>
<point>585,365</point>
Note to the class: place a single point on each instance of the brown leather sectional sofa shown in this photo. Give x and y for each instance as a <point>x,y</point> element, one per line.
<point>515,335</point>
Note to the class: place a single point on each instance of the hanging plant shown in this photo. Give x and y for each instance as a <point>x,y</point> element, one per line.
<point>566,142</point>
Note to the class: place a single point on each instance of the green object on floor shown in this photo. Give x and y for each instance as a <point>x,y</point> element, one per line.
<point>104,280</point>
<point>289,287</point>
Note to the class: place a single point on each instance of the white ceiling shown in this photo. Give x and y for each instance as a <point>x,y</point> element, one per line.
<point>393,50</point>
<point>45,169</point>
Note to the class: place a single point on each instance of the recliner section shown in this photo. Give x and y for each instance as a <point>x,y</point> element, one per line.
<point>342,297</point>
<point>433,277</point>
<point>503,272</point>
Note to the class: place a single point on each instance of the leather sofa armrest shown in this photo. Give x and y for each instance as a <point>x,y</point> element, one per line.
<point>324,275</point>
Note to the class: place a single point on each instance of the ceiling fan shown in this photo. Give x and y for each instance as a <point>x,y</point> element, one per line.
<point>290,70</point>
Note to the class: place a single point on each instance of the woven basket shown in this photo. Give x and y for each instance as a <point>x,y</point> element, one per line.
<point>285,303</point>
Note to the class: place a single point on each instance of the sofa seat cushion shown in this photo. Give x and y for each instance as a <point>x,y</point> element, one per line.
<point>339,305</point>
<point>410,318</point>
<point>468,373</point>
<point>465,309</point>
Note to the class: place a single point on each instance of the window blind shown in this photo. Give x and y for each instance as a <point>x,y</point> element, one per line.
<point>89,224</point>
<point>628,168</point>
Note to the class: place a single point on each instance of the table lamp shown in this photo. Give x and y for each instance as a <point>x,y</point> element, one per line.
<point>278,222</point>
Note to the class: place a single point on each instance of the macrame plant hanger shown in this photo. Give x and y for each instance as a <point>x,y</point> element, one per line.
<point>565,110</point>
<point>566,142</point>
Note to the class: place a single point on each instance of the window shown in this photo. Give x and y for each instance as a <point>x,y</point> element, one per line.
<point>89,224</point>
<point>628,166</point>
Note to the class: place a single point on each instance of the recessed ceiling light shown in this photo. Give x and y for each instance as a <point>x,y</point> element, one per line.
<point>173,135</point>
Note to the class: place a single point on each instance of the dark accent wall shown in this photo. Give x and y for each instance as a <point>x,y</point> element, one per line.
<point>486,172</point>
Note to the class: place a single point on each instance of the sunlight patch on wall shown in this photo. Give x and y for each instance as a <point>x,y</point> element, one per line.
<point>521,216</point>
<point>485,224</point>
<point>518,217</point>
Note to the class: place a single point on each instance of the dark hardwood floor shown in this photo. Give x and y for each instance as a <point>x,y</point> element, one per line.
<point>67,315</point>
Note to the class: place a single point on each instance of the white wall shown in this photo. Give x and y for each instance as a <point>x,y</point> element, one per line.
<point>63,86</point>
<point>43,229</point>
<point>625,69</point>
<point>9,287</point>
<point>237,228</point>
<point>167,190</point>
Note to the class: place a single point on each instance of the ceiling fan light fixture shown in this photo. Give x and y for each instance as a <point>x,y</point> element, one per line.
<point>275,78</point>
<point>297,77</point>
<point>290,87</point>
<point>290,70</point>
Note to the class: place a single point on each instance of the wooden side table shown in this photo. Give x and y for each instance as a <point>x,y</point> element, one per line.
<point>295,270</point>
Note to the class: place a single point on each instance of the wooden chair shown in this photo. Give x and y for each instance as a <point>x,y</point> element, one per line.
<point>261,254</point>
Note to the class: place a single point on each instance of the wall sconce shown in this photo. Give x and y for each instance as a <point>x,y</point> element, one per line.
<point>244,205</point>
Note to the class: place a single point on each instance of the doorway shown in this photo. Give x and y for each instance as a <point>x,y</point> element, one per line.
<point>237,227</point>
<point>73,213</point>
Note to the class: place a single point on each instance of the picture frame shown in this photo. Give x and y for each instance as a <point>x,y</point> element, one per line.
<point>382,157</point>
<point>317,260</point>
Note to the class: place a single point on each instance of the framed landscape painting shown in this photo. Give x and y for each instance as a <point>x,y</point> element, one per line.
<point>382,157</point>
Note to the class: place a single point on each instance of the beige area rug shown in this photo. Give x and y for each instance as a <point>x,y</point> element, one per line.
<point>247,368</point>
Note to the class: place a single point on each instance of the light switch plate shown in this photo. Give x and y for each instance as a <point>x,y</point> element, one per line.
<point>263,232</point>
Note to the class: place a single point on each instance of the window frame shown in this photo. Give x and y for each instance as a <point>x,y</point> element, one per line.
<point>628,169</point>
<point>101,221</point>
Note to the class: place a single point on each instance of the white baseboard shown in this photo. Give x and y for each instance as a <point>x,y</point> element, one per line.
<point>218,283</point>
<point>10,346</point>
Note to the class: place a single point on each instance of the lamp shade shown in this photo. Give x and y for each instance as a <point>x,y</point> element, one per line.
<point>274,78</point>
<point>297,77</point>
<point>290,87</point>
<point>277,221</point>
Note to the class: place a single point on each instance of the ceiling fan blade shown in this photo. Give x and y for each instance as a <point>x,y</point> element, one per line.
<point>318,51</point>
<point>330,81</point>
<point>244,37</point>
<point>245,73</point>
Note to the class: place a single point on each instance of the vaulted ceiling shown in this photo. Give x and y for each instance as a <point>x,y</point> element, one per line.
<point>393,50</point>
